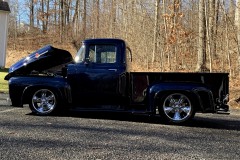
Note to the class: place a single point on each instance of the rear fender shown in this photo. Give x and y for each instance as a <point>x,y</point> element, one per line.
<point>156,92</point>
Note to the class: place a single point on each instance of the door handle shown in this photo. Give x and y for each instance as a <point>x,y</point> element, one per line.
<point>114,70</point>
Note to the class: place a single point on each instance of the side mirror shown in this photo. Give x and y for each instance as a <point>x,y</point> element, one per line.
<point>87,61</point>
<point>129,54</point>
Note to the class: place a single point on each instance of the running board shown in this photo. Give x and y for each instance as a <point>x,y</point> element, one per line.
<point>135,112</point>
<point>223,112</point>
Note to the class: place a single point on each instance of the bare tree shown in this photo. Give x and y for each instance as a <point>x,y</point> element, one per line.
<point>44,15</point>
<point>31,15</point>
<point>113,17</point>
<point>201,63</point>
<point>227,39</point>
<point>212,29</point>
<point>84,18</point>
<point>238,31</point>
<point>156,29</point>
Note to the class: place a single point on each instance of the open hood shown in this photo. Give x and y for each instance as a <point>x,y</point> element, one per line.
<point>40,60</point>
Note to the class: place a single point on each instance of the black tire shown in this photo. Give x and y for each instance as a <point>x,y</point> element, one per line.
<point>43,102</point>
<point>176,108</point>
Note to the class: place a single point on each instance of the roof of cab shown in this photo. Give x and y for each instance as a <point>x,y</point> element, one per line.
<point>104,40</point>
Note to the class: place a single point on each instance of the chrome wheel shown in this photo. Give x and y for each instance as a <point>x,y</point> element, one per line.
<point>177,107</point>
<point>43,102</point>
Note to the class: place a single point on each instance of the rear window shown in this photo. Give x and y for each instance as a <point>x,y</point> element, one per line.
<point>103,53</point>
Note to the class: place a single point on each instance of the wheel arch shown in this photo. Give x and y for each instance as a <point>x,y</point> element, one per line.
<point>156,92</point>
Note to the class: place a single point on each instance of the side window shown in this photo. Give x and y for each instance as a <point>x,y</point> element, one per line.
<point>103,53</point>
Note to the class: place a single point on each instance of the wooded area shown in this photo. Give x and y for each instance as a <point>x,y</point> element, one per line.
<point>164,35</point>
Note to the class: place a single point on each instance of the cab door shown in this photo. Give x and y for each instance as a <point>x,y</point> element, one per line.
<point>100,75</point>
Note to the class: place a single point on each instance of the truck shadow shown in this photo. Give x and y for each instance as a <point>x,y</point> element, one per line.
<point>200,121</point>
<point>215,123</point>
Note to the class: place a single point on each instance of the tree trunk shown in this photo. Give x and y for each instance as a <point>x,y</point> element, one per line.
<point>47,16</point>
<point>62,20</point>
<point>31,14</point>
<point>176,9</point>
<point>165,32</point>
<point>75,18</point>
<point>237,18</point>
<point>125,19</point>
<point>55,15</point>
<point>209,30</point>
<point>42,16</point>
<point>113,18</point>
<point>201,63</point>
<point>67,10</point>
<point>227,40</point>
<point>156,29</point>
<point>98,13</point>
<point>212,27</point>
<point>84,19</point>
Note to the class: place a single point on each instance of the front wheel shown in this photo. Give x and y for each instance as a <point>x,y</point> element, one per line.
<point>176,108</point>
<point>43,102</point>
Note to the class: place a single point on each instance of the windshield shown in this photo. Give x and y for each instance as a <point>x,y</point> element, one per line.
<point>80,56</point>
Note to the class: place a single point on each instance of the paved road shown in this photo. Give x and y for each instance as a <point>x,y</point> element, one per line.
<point>110,136</point>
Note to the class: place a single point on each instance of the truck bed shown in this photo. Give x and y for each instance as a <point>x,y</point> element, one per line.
<point>218,83</point>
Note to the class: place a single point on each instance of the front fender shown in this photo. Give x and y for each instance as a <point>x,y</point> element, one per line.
<point>24,86</point>
<point>200,94</point>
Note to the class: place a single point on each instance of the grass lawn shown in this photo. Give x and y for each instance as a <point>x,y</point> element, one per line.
<point>3,83</point>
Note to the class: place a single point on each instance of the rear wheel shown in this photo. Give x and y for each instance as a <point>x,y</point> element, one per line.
<point>43,102</point>
<point>176,108</point>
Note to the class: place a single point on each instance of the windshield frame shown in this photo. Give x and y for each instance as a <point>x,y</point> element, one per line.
<point>80,55</point>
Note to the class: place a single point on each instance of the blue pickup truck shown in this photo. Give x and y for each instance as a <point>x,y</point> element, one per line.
<point>98,79</point>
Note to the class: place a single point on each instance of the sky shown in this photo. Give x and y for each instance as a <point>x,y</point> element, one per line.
<point>23,10</point>
<point>18,8</point>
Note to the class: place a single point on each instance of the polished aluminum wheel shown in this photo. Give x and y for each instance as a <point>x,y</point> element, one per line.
<point>43,101</point>
<point>177,107</point>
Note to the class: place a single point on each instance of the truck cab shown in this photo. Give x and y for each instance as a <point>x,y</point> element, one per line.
<point>99,72</point>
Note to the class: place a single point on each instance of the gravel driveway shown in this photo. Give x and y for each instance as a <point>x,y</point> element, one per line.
<point>4,99</point>
<point>97,136</point>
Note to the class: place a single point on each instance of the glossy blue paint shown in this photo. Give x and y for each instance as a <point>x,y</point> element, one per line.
<point>157,91</point>
<point>30,58</point>
<point>21,87</point>
<point>40,60</point>
<point>98,81</point>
